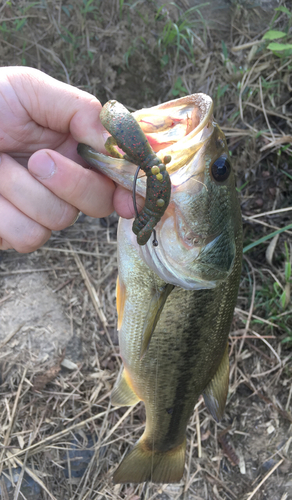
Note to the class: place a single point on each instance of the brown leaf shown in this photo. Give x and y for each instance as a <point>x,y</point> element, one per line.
<point>41,380</point>
<point>229,451</point>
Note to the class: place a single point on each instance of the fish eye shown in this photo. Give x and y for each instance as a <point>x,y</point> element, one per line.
<point>221,169</point>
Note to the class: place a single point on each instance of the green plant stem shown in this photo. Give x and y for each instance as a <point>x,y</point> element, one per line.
<point>265,238</point>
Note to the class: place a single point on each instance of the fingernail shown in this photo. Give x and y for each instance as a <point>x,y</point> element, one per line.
<point>42,165</point>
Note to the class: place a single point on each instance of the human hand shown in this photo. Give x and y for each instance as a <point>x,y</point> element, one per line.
<point>45,118</point>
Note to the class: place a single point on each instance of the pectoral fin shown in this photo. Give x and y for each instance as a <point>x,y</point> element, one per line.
<point>123,394</point>
<point>215,394</point>
<point>155,307</point>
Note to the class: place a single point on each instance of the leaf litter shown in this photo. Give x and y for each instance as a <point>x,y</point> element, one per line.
<point>52,412</point>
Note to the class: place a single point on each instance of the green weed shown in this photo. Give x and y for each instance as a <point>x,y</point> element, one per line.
<point>283,297</point>
<point>89,6</point>
<point>179,37</point>
<point>284,48</point>
<point>121,5</point>
<point>272,299</point>
<point>178,90</point>
<point>239,189</point>
<point>130,52</point>
<point>67,10</point>
<point>286,173</point>
<point>266,238</point>
<point>220,93</point>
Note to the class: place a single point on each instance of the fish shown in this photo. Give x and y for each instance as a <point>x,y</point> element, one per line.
<point>175,301</point>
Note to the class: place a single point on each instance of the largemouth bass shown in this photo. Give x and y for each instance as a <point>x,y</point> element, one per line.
<point>175,301</point>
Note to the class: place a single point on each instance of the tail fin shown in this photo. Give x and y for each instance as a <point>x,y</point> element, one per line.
<point>142,464</point>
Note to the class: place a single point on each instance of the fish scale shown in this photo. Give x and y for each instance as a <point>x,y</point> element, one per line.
<point>184,316</point>
<point>175,301</point>
<point>184,353</point>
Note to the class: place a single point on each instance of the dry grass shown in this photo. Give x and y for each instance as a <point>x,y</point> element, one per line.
<point>52,408</point>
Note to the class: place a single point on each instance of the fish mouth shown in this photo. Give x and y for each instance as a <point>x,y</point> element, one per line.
<point>182,129</point>
<point>185,256</point>
<point>178,128</point>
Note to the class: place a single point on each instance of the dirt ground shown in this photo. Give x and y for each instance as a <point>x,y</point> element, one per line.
<point>60,437</point>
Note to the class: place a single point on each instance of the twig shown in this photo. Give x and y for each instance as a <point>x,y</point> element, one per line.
<point>245,217</point>
<point>29,271</point>
<point>277,142</point>
<point>264,109</point>
<point>271,212</point>
<point>34,477</point>
<point>265,478</point>
<point>220,482</point>
<point>240,311</point>
<point>255,348</point>
<point>80,252</point>
<point>6,298</point>
<point>237,48</point>
<point>267,372</point>
<point>268,344</point>
<point>62,433</point>
<point>20,479</point>
<point>289,399</point>
<point>285,414</point>
<point>198,434</point>
<point>7,435</point>
<point>250,309</point>
<point>118,423</point>
<point>11,335</point>
<point>90,288</point>
<point>269,112</point>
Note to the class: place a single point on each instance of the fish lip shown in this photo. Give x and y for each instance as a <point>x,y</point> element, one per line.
<point>197,108</point>
<point>182,151</point>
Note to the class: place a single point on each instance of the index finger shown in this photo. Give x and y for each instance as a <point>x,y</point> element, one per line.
<point>58,106</point>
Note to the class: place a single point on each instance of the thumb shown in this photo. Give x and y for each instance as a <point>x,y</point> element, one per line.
<point>87,190</point>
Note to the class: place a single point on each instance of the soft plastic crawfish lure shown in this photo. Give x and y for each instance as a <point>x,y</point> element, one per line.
<point>127,135</point>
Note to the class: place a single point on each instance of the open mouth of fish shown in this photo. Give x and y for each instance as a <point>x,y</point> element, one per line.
<point>182,128</point>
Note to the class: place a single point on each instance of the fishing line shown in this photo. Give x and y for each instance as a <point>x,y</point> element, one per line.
<point>156,385</point>
<point>154,242</point>
<point>134,191</point>
<point>155,400</point>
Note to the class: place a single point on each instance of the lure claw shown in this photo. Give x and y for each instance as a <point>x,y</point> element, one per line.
<point>129,137</point>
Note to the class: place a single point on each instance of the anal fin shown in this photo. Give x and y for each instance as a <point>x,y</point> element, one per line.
<point>121,300</point>
<point>215,394</point>
<point>123,394</point>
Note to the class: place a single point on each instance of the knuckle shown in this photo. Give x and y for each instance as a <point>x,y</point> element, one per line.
<point>4,245</point>
<point>64,216</point>
<point>81,186</point>
<point>34,237</point>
